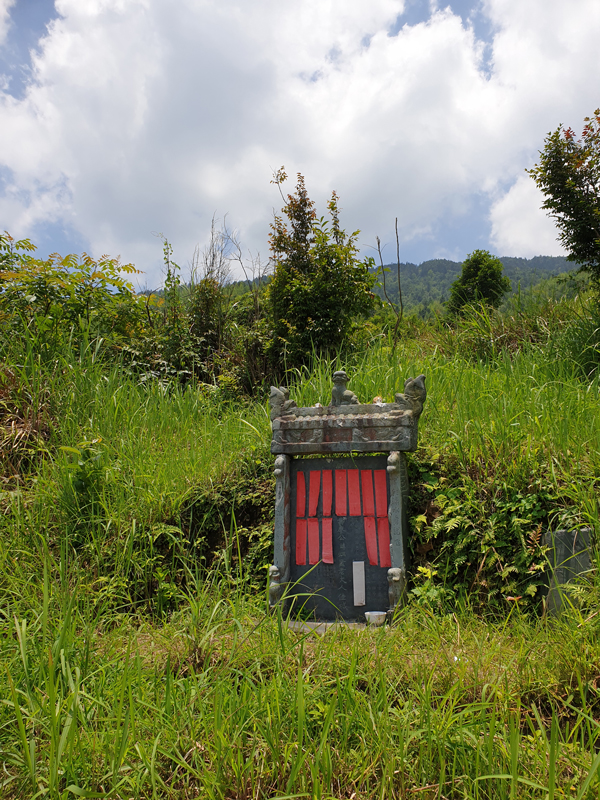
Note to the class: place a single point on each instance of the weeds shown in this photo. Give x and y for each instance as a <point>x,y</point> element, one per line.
<point>137,656</point>
<point>225,701</point>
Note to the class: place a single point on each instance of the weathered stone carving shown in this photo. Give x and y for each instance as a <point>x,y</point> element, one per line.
<point>384,434</point>
<point>414,395</point>
<point>305,435</point>
<point>280,402</point>
<point>343,426</point>
<point>396,586</point>
<point>340,396</point>
<point>282,517</point>
<point>275,586</point>
<point>393,462</point>
<point>279,466</point>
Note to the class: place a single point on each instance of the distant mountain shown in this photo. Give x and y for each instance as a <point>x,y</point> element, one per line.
<point>429,283</point>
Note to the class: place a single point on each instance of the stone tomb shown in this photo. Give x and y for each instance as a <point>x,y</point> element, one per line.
<point>340,522</point>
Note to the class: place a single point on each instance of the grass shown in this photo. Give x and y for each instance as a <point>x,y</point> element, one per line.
<point>226,701</point>
<point>512,407</point>
<point>131,665</point>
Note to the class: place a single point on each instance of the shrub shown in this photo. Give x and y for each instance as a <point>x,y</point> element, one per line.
<point>319,286</point>
<point>55,296</point>
<point>481,281</point>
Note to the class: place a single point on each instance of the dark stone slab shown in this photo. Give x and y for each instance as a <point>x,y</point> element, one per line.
<point>326,591</point>
<point>569,559</point>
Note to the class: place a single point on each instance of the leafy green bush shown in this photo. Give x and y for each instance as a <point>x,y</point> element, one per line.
<point>482,533</point>
<point>319,286</point>
<point>480,282</point>
<point>58,298</point>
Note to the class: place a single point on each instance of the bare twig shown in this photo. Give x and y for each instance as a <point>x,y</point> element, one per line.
<point>400,300</point>
<point>378,240</point>
<point>254,269</point>
<point>398,308</point>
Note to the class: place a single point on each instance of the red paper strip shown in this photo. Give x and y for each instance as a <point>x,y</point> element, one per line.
<point>371,540</point>
<point>341,507</point>
<point>383,534</point>
<point>353,493</point>
<point>327,493</point>
<point>367,493</point>
<point>381,492</point>
<point>313,540</point>
<point>300,542</point>
<point>327,536</point>
<point>313,491</point>
<point>300,495</point>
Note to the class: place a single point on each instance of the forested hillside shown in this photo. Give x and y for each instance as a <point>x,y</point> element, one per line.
<point>426,285</point>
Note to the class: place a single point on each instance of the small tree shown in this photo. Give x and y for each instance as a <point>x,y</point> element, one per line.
<point>481,281</point>
<point>319,284</point>
<point>568,174</point>
<point>56,294</point>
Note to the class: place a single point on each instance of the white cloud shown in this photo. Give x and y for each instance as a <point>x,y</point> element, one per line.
<point>519,225</point>
<point>150,116</point>
<point>5,6</point>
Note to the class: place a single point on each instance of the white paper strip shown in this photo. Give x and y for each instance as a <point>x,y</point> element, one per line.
<point>358,582</point>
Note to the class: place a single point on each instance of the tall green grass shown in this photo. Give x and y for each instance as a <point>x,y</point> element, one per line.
<point>226,701</point>
<point>507,414</point>
<point>132,667</point>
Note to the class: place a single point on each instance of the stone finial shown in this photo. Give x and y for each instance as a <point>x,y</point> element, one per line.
<point>396,586</point>
<point>280,402</point>
<point>414,395</point>
<point>275,586</point>
<point>340,396</point>
<point>415,388</point>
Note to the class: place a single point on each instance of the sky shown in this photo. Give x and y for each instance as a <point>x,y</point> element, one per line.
<point>121,120</point>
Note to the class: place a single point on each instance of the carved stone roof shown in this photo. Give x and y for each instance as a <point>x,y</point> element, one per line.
<point>347,425</point>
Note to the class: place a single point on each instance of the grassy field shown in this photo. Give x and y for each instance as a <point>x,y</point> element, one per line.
<point>137,657</point>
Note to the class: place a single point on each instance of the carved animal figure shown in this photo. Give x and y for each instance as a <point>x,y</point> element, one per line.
<point>415,388</point>
<point>340,396</point>
<point>414,395</point>
<point>393,462</point>
<point>280,402</point>
<point>396,586</point>
<point>275,587</point>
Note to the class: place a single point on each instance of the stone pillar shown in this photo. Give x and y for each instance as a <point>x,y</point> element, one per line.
<point>279,573</point>
<point>396,467</point>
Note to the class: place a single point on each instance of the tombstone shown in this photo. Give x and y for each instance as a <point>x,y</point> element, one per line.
<point>568,560</point>
<point>340,519</point>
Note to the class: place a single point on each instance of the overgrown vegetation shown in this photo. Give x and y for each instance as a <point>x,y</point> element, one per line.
<point>138,659</point>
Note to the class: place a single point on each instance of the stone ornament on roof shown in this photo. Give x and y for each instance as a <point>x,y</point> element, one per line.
<point>340,396</point>
<point>347,425</point>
